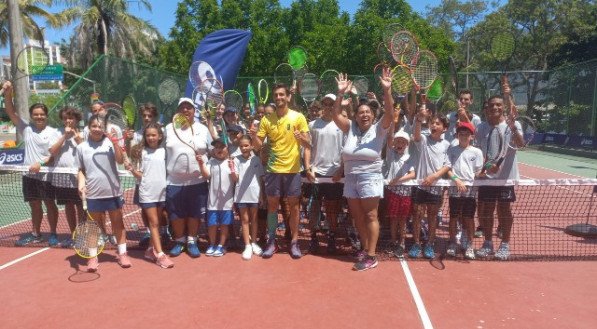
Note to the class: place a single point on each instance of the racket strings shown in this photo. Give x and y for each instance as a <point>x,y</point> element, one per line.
<point>426,70</point>
<point>494,144</point>
<point>502,46</point>
<point>328,82</point>
<point>404,47</point>
<point>402,82</point>
<point>234,99</point>
<point>361,85</point>
<point>87,238</point>
<point>168,91</point>
<point>309,87</point>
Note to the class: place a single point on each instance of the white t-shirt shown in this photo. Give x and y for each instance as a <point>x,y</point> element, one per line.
<point>250,172</point>
<point>221,190</point>
<point>400,166</point>
<point>465,162</point>
<point>181,165</point>
<point>326,140</point>
<point>509,167</point>
<point>433,156</point>
<point>66,158</point>
<point>37,145</point>
<point>153,183</point>
<point>362,151</point>
<point>98,161</point>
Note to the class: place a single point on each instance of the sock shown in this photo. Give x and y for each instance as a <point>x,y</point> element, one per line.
<point>122,248</point>
<point>93,252</point>
<point>160,254</point>
<point>190,239</point>
<point>272,224</point>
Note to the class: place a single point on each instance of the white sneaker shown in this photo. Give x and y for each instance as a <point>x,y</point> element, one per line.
<point>248,252</point>
<point>256,249</point>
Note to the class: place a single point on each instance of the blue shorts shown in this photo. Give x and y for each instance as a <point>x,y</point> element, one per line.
<point>219,217</point>
<point>282,185</point>
<point>102,205</point>
<point>240,205</point>
<point>186,201</point>
<point>147,205</point>
<point>358,186</point>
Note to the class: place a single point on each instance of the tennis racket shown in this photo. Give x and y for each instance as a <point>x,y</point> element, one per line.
<point>327,82</point>
<point>284,74</point>
<point>404,48</point>
<point>200,71</point>
<point>129,107</point>
<point>263,91</point>
<point>115,123</point>
<point>495,150</point>
<point>309,88</point>
<point>424,73</point>
<point>209,94</point>
<point>360,85</point>
<point>502,49</point>
<point>402,82</point>
<point>251,99</point>
<point>168,92</point>
<point>297,57</point>
<point>31,60</point>
<point>87,236</point>
<point>384,55</point>
<point>184,131</point>
<point>388,32</point>
<point>233,98</point>
<point>453,75</point>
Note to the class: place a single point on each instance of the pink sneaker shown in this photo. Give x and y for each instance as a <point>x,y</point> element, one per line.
<point>164,261</point>
<point>150,254</point>
<point>123,260</point>
<point>92,265</point>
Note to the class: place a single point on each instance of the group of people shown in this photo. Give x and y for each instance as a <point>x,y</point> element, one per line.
<point>343,151</point>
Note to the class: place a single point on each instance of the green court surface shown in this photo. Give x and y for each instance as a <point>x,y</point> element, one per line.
<point>568,164</point>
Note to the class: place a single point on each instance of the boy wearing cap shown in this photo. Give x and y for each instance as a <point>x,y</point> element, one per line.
<point>466,162</point>
<point>398,197</point>
<point>327,141</point>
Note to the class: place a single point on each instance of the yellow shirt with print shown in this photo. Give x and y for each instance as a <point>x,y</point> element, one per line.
<point>285,152</point>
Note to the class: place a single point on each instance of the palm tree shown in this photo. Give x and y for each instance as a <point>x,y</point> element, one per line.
<point>107,27</point>
<point>29,9</point>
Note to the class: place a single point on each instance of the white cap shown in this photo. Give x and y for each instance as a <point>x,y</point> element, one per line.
<point>186,100</point>
<point>402,134</point>
<point>330,96</point>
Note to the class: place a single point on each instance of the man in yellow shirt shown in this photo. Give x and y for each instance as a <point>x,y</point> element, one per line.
<point>286,131</point>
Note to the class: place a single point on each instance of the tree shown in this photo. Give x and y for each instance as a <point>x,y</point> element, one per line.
<point>107,27</point>
<point>30,9</point>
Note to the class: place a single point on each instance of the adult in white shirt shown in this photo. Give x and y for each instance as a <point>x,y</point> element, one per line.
<point>463,114</point>
<point>38,137</point>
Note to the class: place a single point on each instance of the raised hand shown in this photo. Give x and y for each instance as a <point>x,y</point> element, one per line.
<point>343,83</point>
<point>386,79</point>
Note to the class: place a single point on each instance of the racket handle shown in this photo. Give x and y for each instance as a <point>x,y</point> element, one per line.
<point>84,202</point>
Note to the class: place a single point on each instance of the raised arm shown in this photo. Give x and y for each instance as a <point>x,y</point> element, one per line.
<point>388,100</point>
<point>10,109</point>
<point>343,85</point>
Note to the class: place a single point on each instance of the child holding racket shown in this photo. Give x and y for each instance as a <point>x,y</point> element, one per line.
<point>152,187</point>
<point>99,184</point>
<point>221,172</point>
<point>432,165</point>
<point>399,168</point>
<point>247,194</point>
<point>466,162</point>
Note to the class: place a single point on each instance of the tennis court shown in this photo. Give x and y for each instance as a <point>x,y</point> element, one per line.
<point>46,289</point>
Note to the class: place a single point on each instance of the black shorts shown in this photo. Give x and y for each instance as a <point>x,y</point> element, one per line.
<point>35,189</point>
<point>136,195</point>
<point>324,191</point>
<point>421,196</point>
<point>66,195</point>
<point>464,206</point>
<point>496,193</point>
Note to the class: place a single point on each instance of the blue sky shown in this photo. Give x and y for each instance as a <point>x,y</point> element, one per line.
<point>162,15</point>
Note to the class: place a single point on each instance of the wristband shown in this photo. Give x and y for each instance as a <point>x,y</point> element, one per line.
<point>488,165</point>
<point>41,163</point>
<point>454,177</point>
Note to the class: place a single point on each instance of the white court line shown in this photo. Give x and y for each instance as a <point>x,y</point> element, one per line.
<point>12,262</point>
<point>559,172</point>
<point>416,296</point>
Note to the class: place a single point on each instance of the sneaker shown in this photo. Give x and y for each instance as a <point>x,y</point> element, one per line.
<point>256,249</point>
<point>67,243</point>
<point>28,239</point>
<point>210,251</point>
<point>451,251</point>
<point>270,249</point>
<point>219,252</point>
<point>144,242</point>
<point>415,251</point>
<point>399,251</point>
<point>150,254</point>
<point>247,253</point>
<point>367,263</point>
<point>177,249</point>
<point>193,250</point>
<point>53,240</point>
<point>331,248</point>
<point>486,250</point>
<point>428,251</point>
<point>92,264</point>
<point>123,260</point>
<point>503,252</point>
<point>295,251</point>
<point>359,255</point>
<point>313,245</point>
<point>469,253</point>
<point>164,261</point>
<point>479,232</point>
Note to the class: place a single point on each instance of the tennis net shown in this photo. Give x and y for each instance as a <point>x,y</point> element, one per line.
<point>543,213</point>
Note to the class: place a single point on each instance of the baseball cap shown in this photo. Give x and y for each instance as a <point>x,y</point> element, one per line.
<point>466,125</point>
<point>402,134</point>
<point>329,96</point>
<point>230,109</point>
<point>186,100</point>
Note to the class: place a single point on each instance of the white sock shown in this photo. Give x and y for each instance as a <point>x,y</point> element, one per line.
<point>93,252</point>
<point>160,254</point>
<point>122,248</point>
<point>190,239</point>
